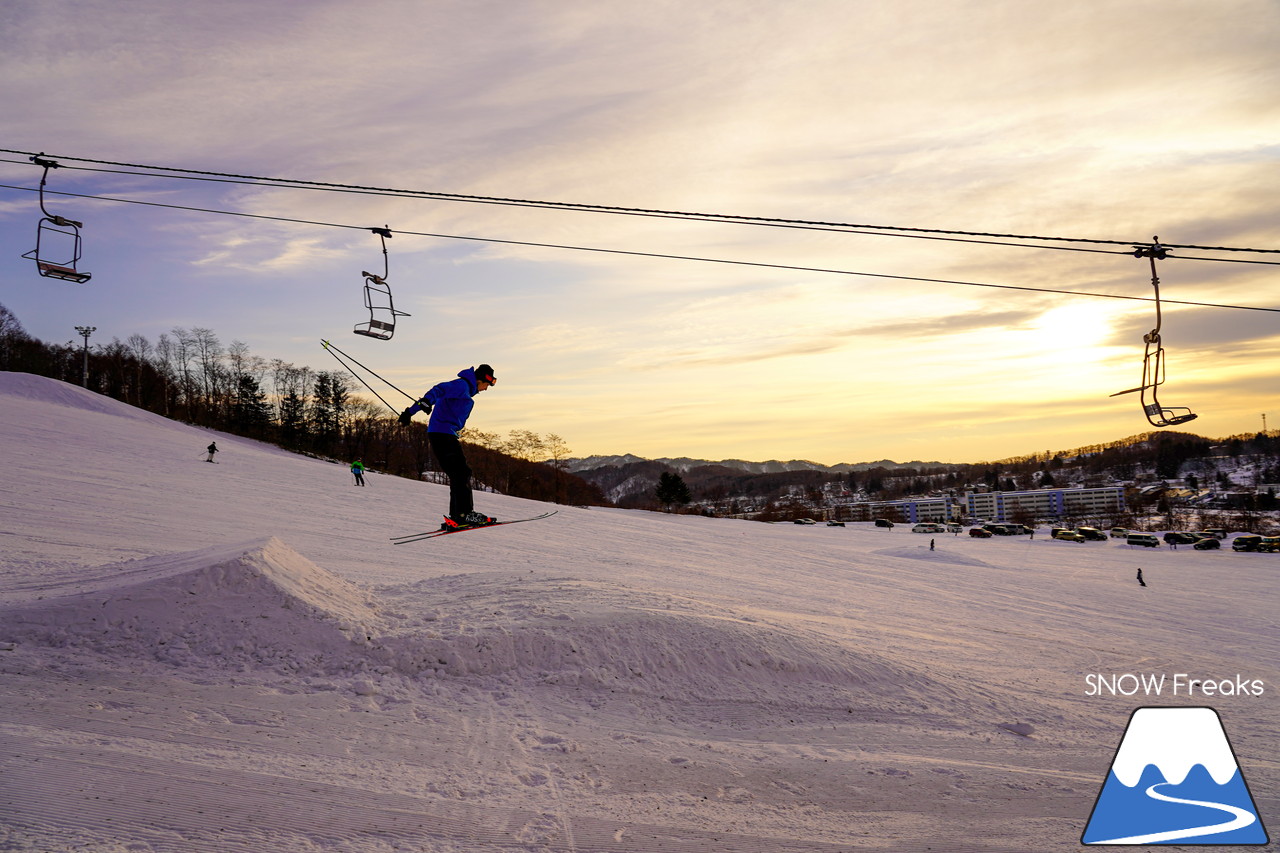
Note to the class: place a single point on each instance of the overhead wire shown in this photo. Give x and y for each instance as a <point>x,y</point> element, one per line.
<point>665,255</point>
<point>802,225</point>
<point>258,180</point>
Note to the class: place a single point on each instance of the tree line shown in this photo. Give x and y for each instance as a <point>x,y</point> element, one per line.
<point>189,375</point>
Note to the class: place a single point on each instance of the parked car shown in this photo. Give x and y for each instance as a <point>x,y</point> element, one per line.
<point>1054,531</point>
<point>1209,543</point>
<point>1146,540</point>
<point>1180,538</point>
<point>1215,532</point>
<point>928,527</point>
<point>1248,542</point>
<point>835,524</point>
<point>883,522</point>
<point>805,521</point>
<point>953,527</point>
<point>1092,533</point>
<point>1069,535</point>
<point>980,533</point>
<point>1119,532</point>
<point>1270,544</point>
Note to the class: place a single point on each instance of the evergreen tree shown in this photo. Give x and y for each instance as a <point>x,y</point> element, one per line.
<point>250,412</point>
<point>328,410</point>
<point>293,420</point>
<point>672,490</point>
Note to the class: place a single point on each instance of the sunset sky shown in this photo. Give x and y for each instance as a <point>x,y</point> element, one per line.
<point>1112,121</point>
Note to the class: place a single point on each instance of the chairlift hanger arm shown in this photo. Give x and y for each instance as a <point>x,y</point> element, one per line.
<point>1153,252</point>
<point>384,234</point>
<point>60,221</point>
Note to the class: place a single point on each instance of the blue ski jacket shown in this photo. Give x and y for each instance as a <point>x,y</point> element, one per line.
<point>450,402</point>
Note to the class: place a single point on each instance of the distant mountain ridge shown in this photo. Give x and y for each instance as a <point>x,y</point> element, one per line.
<point>1145,459</point>
<point>773,466</point>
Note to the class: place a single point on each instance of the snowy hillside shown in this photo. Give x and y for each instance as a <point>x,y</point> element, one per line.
<point>233,657</point>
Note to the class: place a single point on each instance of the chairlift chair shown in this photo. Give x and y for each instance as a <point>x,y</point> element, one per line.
<point>57,250</point>
<point>1157,414</point>
<point>377,298</point>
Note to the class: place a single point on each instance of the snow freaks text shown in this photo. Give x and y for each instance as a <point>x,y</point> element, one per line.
<point>1179,684</point>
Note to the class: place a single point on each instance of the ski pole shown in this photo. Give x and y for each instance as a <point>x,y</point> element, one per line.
<point>339,355</point>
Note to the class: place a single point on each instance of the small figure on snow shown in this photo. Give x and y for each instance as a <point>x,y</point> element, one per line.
<point>357,470</point>
<point>1141,582</point>
<point>449,404</point>
<point>212,448</point>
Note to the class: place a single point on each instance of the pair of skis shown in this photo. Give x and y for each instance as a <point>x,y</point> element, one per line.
<point>445,531</point>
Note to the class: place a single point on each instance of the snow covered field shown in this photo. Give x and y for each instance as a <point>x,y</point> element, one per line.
<point>233,657</point>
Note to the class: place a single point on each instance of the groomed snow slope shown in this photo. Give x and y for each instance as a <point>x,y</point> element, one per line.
<point>234,657</point>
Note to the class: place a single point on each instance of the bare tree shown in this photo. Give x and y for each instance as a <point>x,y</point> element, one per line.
<point>480,438</point>
<point>557,450</point>
<point>213,379</point>
<point>180,353</point>
<point>524,444</point>
<point>11,333</point>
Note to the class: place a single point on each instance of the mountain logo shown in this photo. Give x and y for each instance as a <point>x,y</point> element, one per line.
<point>1175,780</point>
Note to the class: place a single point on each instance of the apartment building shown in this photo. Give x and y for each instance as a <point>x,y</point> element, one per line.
<point>908,510</point>
<point>1045,503</point>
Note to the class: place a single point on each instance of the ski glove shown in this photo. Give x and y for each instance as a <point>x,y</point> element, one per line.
<point>407,414</point>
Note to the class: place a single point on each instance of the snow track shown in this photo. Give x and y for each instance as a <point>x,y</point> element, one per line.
<point>176,806</point>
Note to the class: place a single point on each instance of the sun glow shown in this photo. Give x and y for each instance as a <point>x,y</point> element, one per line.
<point>1077,331</point>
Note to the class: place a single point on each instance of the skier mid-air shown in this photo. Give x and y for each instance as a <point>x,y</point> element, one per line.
<point>449,404</point>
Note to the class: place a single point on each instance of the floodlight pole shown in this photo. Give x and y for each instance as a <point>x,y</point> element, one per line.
<point>86,331</point>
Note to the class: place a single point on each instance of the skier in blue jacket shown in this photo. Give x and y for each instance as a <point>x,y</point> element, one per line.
<point>449,404</point>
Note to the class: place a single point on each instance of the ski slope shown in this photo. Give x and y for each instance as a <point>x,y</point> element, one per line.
<point>234,657</point>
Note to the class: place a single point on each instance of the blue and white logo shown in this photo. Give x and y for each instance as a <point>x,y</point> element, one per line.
<point>1175,780</point>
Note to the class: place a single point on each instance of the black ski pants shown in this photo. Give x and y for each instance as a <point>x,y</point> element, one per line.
<point>453,462</point>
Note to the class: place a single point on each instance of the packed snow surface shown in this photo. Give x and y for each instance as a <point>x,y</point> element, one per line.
<point>234,657</point>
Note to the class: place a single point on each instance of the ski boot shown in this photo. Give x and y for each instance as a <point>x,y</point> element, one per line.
<point>467,519</point>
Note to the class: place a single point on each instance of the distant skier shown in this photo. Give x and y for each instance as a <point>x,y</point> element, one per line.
<point>357,469</point>
<point>212,448</point>
<point>1141,582</point>
<point>449,404</point>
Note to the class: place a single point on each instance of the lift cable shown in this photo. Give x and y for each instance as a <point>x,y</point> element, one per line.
<point>611,209</point>
<point>667,256</point>
<point>795,225</point>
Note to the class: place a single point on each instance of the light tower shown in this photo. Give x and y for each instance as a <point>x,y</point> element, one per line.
<point>86,331</point>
